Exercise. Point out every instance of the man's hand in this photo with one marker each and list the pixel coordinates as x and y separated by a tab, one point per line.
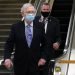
41	62
56	45
8	64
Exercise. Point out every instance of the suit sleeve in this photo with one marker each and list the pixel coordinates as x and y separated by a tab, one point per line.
8	49
57	38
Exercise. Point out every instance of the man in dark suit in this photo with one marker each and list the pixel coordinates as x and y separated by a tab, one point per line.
26	36
52	31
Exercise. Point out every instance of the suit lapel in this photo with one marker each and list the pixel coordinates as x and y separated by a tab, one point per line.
23	32
34	33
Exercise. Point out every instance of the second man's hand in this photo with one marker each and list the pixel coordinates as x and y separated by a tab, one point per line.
41	62
56	46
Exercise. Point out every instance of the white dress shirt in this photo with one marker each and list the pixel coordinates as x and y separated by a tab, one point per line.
45	22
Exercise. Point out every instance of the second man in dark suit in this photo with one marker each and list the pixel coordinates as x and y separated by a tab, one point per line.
52	31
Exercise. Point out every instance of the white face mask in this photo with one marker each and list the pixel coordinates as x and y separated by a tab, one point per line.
29	17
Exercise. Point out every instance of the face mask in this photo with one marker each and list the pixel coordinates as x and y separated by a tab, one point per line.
29	17
45	14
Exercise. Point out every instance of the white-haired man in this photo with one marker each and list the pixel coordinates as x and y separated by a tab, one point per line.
26	35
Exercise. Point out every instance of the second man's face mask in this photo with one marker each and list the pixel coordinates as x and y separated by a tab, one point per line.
45	14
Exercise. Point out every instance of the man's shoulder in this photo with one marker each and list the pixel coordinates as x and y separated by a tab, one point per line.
53	18
17	23
38	24
37	18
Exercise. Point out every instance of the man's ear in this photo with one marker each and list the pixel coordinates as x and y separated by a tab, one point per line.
22	14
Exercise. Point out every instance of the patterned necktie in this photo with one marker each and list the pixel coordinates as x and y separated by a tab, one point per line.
28	35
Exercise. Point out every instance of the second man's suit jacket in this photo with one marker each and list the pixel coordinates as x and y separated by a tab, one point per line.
52	32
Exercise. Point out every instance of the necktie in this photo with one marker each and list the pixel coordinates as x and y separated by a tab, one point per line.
45	21
28	35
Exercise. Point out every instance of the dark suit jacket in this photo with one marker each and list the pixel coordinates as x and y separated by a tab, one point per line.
53	31
24	56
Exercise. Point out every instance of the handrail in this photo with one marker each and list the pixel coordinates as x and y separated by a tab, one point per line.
70	26
67	61
69	34
37	4
68	40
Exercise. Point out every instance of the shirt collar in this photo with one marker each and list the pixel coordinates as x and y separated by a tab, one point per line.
43	18
27	24
46	19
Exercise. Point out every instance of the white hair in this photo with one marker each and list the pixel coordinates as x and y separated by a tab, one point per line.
25	6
